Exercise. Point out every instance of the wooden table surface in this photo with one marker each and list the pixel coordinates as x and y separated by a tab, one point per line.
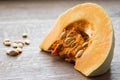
36	18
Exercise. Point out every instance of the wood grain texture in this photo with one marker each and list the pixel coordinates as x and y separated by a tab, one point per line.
36	18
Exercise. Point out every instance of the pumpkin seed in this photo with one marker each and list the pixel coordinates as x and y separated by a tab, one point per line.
62	35
7	43
19	50
68	40
69	35
27	42
12	52
14	45
24	35
20	45
84	44
79	53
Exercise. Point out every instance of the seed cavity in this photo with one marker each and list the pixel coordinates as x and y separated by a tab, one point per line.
74	39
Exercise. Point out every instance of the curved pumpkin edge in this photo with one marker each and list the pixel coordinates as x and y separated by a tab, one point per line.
106	65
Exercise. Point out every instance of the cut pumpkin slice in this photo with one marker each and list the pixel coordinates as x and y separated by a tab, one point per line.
84	35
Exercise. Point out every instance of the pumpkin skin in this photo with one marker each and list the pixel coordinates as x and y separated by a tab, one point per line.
97	57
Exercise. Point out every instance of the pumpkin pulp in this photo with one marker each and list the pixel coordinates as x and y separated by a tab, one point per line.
72	41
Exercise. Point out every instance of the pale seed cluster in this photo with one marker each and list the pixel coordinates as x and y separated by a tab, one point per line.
16	45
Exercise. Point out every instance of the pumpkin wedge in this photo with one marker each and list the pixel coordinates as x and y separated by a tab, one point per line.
84	35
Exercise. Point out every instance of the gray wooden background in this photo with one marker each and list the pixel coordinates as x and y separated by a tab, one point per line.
36	18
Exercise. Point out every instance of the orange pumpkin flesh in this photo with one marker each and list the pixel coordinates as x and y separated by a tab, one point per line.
98	54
